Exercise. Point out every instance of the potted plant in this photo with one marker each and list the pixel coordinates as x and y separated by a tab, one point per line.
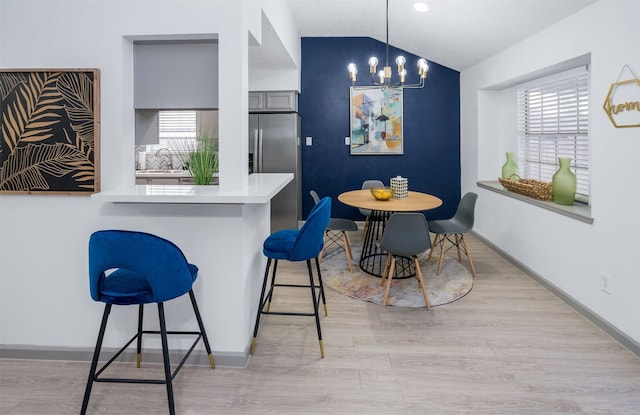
201	161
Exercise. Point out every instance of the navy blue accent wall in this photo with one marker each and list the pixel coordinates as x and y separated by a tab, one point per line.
431	159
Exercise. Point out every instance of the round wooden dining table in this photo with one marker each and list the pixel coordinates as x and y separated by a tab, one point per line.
372	259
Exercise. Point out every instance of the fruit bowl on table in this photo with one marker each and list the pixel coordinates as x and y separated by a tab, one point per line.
381	193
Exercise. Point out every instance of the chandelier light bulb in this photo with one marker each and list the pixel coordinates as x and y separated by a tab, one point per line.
381	76
373	62
403	74
423	67
400	61
353	71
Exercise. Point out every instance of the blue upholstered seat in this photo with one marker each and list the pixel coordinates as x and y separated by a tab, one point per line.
296	245
128	267
303	244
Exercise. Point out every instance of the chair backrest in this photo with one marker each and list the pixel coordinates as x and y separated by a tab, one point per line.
368	184
160	261
465	214
406	234
314	195
310	238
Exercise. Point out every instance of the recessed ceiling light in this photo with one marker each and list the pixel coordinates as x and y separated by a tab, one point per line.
421	7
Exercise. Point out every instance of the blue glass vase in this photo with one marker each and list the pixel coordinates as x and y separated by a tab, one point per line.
564	183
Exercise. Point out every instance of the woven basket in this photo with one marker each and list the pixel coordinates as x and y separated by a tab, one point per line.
528	187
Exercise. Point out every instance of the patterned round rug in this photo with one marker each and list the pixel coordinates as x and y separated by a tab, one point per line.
453	283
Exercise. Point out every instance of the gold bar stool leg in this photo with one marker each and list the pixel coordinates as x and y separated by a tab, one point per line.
321	285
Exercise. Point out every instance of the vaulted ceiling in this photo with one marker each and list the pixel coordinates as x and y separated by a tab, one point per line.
453	33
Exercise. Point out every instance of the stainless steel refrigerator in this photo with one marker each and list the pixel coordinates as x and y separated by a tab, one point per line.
274	147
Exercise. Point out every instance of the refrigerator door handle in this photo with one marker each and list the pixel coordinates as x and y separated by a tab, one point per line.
259	145
256	154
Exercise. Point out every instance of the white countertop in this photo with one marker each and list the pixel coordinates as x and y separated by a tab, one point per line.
261	189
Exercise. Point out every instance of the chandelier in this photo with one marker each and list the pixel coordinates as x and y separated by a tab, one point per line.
383	77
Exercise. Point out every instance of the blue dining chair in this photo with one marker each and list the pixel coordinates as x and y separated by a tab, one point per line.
296	245
137	268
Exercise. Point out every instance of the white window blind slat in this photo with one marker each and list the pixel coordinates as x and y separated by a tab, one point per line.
553	121
177	129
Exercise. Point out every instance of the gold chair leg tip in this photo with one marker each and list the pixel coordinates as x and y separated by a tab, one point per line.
253	345
211	361
321	349
138	359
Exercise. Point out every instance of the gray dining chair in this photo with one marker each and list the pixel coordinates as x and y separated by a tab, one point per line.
336	232
453	230
368	184
406	235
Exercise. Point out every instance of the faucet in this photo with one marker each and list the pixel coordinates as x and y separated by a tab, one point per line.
168	154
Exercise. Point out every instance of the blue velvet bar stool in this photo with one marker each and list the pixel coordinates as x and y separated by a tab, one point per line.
296	245
137	268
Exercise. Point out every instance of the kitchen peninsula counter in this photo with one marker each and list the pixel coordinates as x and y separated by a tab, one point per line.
261	189
218	230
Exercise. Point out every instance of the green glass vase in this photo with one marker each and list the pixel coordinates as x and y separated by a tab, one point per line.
510	167
564	183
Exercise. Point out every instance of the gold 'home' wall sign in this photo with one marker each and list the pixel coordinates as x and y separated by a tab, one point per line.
49	131
622	103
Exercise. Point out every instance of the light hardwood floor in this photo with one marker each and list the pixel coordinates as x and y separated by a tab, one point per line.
508	347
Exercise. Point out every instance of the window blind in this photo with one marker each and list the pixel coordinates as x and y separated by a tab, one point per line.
177	129
553	121
175	74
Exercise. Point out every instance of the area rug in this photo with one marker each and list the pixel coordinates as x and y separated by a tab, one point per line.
453	283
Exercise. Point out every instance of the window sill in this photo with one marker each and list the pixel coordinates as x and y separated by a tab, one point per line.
578	211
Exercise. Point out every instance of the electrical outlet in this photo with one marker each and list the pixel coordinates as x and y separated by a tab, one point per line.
605	283
309	141
347	141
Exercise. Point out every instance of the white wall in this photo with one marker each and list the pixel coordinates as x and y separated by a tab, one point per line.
569	254
44	298
280	79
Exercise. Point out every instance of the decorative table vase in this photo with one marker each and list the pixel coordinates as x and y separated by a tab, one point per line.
510	167
564	183
400	187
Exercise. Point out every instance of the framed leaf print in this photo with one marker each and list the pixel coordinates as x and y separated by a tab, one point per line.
49	131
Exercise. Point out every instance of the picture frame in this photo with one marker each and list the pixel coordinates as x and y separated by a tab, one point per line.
376	121
50	131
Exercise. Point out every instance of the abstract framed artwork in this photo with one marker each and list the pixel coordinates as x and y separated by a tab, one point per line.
50	131
376	120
